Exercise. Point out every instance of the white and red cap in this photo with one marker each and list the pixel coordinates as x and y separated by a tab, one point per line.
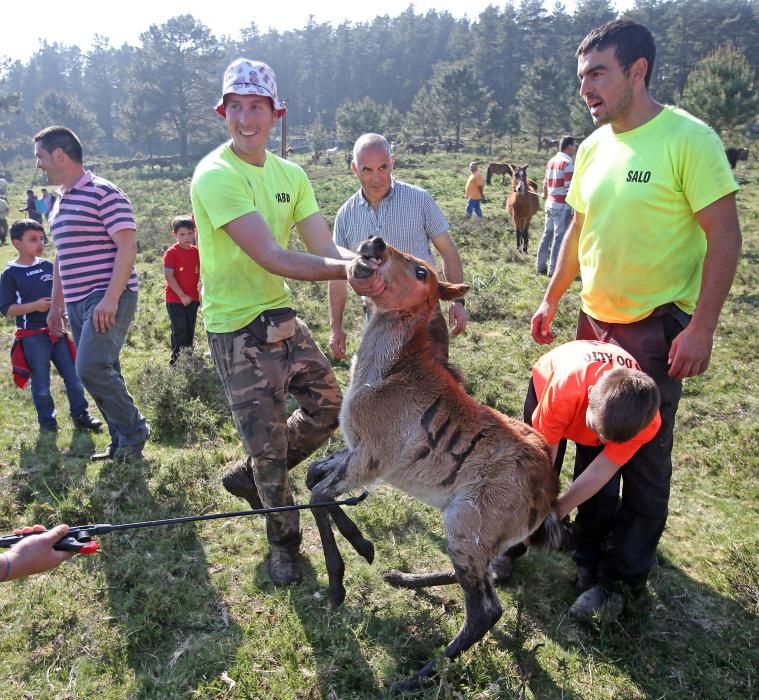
244	77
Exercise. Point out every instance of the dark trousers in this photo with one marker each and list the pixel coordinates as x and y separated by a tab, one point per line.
530	404
182	320
618	532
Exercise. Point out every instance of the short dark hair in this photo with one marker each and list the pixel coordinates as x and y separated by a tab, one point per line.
61	137
630	40
622	403
20	227
566	142
182	221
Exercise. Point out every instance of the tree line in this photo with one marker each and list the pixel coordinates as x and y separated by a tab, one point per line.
416	76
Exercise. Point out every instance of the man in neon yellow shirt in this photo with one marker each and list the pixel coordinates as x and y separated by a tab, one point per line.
245	200
656	239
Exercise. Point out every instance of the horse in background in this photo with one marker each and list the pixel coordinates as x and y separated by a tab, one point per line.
547	144
498	169
522	203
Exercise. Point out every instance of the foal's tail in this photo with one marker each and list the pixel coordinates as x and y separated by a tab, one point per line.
551	533
489	175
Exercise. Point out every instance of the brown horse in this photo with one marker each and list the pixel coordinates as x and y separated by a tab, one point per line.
522	203
498	169
408	421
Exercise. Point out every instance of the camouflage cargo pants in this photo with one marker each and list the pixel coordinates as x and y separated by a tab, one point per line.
259	365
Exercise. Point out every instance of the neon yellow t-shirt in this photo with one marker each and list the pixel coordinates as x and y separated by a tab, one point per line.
640	244
235	289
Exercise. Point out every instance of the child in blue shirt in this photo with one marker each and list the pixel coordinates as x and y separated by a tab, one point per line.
25	289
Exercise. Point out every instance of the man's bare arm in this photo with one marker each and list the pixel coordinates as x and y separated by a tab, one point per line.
691	350
454	272
567	267
252	234
104	314
56	313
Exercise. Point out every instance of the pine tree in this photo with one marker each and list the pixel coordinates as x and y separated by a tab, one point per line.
721	90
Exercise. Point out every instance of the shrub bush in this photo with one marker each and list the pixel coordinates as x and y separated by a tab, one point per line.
185	401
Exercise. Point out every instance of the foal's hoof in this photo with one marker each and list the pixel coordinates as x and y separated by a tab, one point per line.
336	597
366	549
319	469
396	578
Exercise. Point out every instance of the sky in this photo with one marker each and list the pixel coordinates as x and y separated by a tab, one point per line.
75	24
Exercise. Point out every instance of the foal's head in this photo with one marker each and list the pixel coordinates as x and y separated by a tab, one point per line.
409	282
519	178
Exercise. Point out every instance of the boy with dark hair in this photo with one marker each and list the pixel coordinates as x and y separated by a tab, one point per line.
596	395
181	267
25	289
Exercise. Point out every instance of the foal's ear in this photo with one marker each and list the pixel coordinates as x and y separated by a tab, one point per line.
447	291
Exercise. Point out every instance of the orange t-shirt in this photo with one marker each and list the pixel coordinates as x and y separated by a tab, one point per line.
473	189
562	378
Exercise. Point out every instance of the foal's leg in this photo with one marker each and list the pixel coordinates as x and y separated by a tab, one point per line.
399	579
350	531
342	477
470	561
317	472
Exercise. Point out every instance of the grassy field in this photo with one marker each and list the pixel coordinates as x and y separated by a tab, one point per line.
188	611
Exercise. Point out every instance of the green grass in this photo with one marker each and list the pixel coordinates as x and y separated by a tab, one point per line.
188	611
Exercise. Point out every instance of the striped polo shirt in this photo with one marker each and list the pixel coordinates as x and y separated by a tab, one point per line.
558	176
407	219
83	220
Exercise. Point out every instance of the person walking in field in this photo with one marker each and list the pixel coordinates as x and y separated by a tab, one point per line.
474	191
656	239
245	201
94	282
558	213
30	209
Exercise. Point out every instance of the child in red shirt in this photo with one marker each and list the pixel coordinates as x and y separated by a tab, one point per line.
594	394
181	267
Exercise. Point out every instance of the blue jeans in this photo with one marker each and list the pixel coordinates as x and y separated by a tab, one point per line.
40	351
473	205
97	364
557	221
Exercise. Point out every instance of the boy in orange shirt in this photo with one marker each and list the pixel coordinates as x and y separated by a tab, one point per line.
595	394
181	267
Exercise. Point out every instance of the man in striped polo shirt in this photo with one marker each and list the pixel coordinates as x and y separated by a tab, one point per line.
95	236
407	218
558	212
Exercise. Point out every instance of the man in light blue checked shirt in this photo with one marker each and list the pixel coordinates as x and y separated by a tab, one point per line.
408	219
